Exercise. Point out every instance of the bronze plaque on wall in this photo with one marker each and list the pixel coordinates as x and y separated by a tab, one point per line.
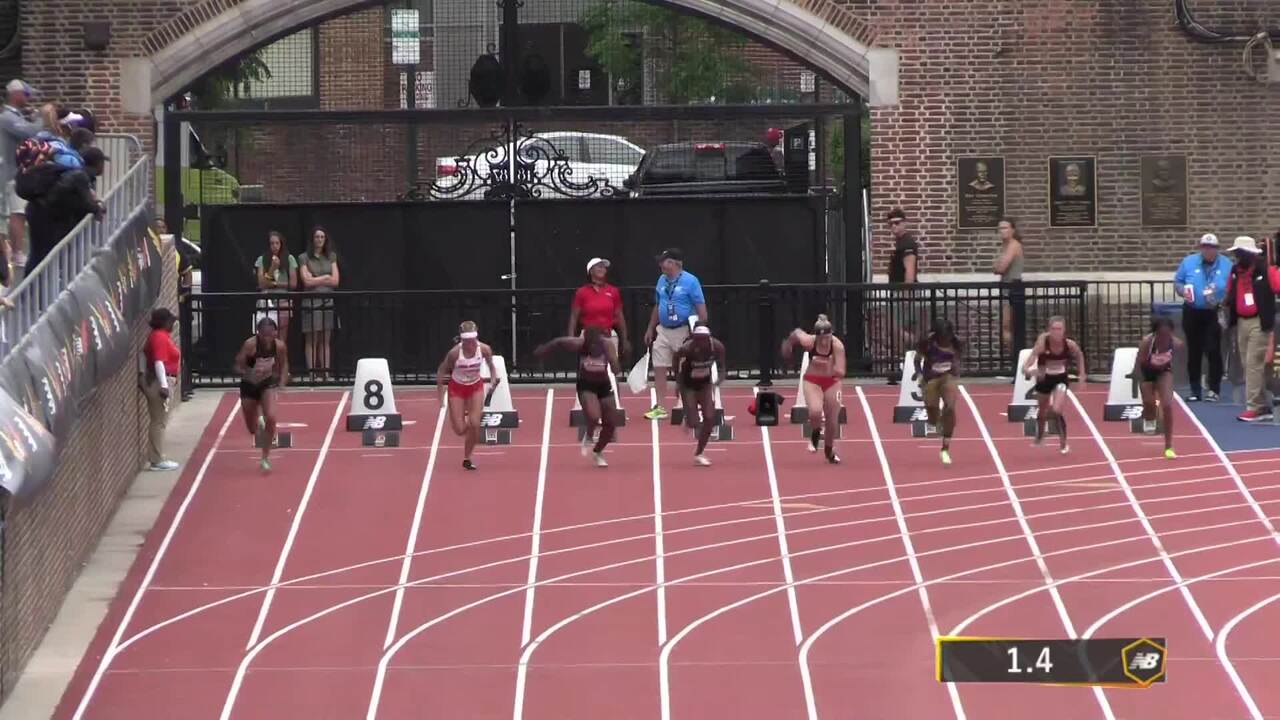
1164	190
979	192
1073	191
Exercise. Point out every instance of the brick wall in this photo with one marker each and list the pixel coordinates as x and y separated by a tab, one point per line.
1024	79
1111	78
47	542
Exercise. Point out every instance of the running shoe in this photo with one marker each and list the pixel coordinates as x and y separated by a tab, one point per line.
1064	449
815	440
162	466
701	460
586	444
1211	397
265	464
946	457
1194	396
600	461
1254	415
832	457
657	412
1169	454
468	465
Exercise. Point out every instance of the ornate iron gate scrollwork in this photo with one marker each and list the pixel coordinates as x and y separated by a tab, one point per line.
486	170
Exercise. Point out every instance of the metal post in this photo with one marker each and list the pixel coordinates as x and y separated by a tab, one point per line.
766	335
510	50
173	200
185	317
852	215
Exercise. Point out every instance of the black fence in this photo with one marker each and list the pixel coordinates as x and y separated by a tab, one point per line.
328	332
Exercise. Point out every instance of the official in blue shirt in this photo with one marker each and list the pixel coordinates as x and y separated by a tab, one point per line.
677	298
1201	281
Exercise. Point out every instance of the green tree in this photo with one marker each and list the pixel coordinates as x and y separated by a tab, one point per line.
694	61
217	88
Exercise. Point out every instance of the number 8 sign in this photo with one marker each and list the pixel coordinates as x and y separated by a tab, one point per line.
373	395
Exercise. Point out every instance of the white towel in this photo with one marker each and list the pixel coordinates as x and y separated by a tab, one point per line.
638	378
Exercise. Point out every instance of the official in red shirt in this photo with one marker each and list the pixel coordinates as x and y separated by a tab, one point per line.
599	304
160	377
1251	310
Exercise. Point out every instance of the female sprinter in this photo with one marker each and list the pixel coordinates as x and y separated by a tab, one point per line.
459	373
1154	365
263	365
1049	356
693	363
597	358
821	382
938	363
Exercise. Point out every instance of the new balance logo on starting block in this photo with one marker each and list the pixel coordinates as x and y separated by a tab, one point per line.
373	401
1123	399
910	407
500	416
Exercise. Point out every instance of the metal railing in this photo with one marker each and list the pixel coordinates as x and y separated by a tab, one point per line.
124	151
328	333
73	253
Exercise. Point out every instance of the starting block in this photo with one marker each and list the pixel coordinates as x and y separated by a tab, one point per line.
910	407
1135	425
281	440
380	438
500	416
1123	399
723	430
920	429
1023	404
373	401
800	411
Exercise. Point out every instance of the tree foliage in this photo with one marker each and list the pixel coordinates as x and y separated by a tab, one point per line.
228	81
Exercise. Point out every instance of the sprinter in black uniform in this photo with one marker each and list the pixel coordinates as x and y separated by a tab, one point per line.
1154	365
263	365
1049	358
697	389
597	360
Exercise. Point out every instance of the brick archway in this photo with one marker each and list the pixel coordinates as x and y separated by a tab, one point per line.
824	34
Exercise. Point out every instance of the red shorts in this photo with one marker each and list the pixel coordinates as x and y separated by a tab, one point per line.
464	392
823	381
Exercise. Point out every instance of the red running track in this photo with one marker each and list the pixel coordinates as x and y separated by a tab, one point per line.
389	583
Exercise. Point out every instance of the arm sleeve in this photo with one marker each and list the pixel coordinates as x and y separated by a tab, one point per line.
1180	275
161	375
695	293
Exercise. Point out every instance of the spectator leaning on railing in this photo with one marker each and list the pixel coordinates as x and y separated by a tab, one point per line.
15	127
1202	281
57	212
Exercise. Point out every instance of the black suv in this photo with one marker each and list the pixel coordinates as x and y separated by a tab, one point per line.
707	168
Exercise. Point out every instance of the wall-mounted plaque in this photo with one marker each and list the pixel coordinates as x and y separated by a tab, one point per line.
979	191
1164	190
1073	191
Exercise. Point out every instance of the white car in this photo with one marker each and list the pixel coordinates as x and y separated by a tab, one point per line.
607	159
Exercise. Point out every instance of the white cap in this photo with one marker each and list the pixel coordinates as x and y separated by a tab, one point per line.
1209	239
597	261
1244	243
702	330
18	86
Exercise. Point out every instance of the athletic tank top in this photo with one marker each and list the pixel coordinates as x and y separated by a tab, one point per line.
697	364
1158	359
263	360
466	370
822	364
1054	362
938	360
593	367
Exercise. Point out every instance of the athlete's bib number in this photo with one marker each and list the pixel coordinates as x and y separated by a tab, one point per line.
942	367
1057	368
373	398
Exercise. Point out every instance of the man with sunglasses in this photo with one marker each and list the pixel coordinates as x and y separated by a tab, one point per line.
677	297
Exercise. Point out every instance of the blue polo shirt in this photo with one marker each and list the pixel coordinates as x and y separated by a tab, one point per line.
677	300
1198	274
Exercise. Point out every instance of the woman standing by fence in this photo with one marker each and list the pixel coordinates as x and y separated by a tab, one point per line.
1008	266
319	266
277	272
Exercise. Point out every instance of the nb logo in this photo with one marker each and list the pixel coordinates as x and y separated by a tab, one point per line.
1145	661
375	422
919	415
491	420
1132	412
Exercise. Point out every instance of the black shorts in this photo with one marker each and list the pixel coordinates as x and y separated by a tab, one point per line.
602	389
694	386
1047	385
254	391
1152	375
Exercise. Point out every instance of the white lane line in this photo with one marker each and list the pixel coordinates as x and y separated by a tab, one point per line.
1221	647
1016	504
297	523
659	547
115	647
1231	470
781	526
1196	612
535	542
412	543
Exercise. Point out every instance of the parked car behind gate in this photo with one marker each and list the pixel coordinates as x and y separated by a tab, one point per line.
608	159
707	168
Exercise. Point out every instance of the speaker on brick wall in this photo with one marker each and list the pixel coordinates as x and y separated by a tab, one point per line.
97	35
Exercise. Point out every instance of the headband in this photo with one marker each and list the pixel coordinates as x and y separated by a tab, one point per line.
469	335
702	330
